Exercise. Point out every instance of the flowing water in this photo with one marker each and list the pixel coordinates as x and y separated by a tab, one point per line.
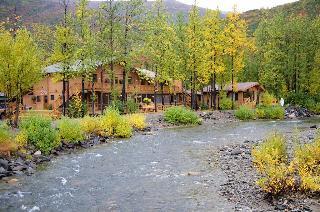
170	170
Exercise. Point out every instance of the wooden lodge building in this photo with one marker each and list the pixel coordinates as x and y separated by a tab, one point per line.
246	93
47	94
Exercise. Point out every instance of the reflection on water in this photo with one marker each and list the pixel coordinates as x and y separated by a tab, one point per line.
167	171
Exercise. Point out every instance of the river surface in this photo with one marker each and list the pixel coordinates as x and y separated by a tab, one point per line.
170	170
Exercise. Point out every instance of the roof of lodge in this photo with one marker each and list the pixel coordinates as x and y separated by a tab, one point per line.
243	86
56	68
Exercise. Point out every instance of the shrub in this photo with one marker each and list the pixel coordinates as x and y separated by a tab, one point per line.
260	113
122	129
204	106
21	139
7	142
276	112
225	103
181	115
245	113
75	107
137	121
270	159
267	99
113	124
117	105
40	133
132	106
70	130
307	160
315	108
91	125
270	112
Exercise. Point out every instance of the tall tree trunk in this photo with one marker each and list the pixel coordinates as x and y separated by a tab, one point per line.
202	97
195	102
17	111
64	96
82	97
123	93
68	94
155	93
214	91
232	84
101	102
162	94
184	98
92	97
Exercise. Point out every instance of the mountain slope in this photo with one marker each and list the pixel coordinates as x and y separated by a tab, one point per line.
50	11
309	8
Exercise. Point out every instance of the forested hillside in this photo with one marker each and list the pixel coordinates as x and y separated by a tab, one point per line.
50	11
286	55
309	8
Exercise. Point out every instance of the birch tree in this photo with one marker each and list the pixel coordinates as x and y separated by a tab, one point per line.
236	40
20	66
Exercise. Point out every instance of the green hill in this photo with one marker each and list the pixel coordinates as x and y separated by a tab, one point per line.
309	8
50	11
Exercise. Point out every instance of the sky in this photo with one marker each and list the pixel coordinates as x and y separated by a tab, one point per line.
242	5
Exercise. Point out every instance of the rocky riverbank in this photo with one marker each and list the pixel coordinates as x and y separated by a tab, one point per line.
241	189
27	162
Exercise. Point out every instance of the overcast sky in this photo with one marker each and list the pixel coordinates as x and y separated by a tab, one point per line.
242	5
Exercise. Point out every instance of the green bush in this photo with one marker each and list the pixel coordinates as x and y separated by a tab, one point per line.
270	159
270	112
204	106
132	106
70	130
245	113
118	105
40	133
225	103
181	116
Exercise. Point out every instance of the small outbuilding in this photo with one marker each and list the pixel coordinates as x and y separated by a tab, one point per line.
246	93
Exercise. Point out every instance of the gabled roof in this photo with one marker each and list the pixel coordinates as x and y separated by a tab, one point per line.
243	86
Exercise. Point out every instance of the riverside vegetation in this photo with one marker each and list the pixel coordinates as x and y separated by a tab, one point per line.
45	135
279	173
41	136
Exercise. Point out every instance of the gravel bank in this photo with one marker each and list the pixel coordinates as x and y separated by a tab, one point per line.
241	189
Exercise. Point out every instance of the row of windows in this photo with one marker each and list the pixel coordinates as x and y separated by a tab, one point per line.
38	98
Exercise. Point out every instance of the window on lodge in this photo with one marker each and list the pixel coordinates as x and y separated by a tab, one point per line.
52	97
38	98
129	80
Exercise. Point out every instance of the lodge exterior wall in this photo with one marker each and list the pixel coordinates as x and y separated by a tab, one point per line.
47	94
